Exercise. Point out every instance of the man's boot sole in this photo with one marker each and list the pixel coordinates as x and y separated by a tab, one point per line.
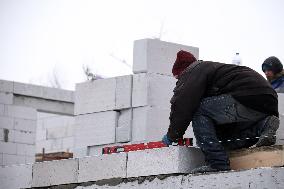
268	137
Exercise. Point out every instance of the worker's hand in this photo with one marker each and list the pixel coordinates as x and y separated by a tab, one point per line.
166	140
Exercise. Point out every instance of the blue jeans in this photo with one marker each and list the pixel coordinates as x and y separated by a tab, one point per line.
221	123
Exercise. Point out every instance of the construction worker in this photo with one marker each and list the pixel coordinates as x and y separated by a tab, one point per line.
230	107
274	73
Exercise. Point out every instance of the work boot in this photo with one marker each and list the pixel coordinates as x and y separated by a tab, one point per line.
207	169
268	135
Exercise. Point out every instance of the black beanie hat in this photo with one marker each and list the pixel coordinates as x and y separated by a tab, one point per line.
273	64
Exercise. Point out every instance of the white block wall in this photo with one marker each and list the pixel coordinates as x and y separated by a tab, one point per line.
17	138
103	95
55	133
155	56
124	126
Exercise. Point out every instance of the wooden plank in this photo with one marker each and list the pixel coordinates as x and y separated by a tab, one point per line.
265	156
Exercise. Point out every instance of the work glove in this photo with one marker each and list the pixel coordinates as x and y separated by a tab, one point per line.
166	140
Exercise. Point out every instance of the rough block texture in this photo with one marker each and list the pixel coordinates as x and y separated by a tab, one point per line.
25	124
8	148
103	95
28	89
123	92
95	129
20	112
95	96
155	56
6	98
163	161
55	173
254	178
2	108
102	167
80	152
152	89
26	149
149	124
6	122
59	107
6	86
24	137
16	176
123	129
43	92
281	103
13	159
1	134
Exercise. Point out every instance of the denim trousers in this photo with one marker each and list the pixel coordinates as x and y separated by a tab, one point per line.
221	123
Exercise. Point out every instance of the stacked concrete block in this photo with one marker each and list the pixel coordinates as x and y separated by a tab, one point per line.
163	161
18	126
6	86
54	133
43	92
103	95
102	167
95	129
16	176
55	173
155	56
124	126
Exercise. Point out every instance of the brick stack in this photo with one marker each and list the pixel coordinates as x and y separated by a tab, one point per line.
131	108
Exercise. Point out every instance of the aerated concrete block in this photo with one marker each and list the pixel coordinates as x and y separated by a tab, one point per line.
80	152
103	95
102	167
123	129
149	123
8	148
95	129
26	149
55	173
24	137
57	107
155	56
16	176
53	133
30	159
20	112
25	125
6	86
123	92
152	89
68	143
2	109
9	159
28	89
174	159
58	94
6	122
281	103
1	135
6	98
95	96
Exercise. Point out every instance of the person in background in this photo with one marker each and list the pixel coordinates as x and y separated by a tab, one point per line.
273	70
230	107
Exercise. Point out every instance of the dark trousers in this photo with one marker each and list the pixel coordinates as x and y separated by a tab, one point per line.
221	123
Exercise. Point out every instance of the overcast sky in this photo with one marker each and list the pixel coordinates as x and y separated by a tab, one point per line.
42	37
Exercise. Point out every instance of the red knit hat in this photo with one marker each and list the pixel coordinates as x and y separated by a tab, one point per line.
183	60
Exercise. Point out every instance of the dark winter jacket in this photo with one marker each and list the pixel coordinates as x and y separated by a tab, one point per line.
204	79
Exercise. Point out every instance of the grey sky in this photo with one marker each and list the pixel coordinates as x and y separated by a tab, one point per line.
39	36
